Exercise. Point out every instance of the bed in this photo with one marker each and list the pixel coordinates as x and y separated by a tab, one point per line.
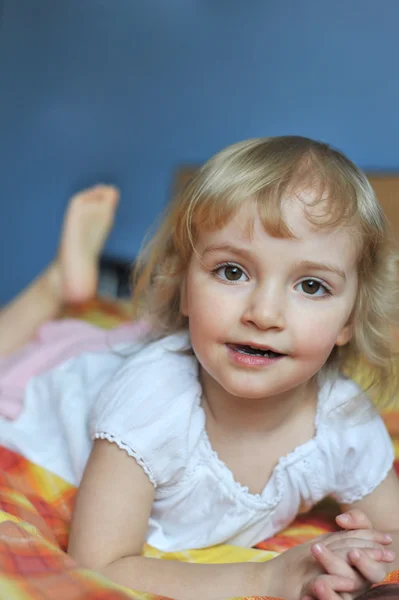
36	506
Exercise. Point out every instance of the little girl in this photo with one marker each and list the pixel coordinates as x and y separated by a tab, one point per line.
270	273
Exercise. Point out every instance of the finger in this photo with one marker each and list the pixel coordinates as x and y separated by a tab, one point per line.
368	534
380	537
380	554
348	537
327	587
343	547
354	519
333	563
371	570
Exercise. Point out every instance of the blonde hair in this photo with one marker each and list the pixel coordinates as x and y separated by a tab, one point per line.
265	171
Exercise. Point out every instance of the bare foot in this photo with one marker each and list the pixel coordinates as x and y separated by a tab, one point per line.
87	223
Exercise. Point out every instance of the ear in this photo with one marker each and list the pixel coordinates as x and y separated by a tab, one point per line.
183	298
345	335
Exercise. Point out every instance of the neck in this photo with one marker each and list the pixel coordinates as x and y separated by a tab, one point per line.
236	414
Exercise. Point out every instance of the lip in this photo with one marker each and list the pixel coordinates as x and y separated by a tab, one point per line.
257	346
252	360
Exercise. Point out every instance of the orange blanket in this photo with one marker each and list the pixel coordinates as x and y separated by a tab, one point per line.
35	512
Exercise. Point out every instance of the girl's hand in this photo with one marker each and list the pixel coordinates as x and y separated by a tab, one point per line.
372	570
323	569
371	565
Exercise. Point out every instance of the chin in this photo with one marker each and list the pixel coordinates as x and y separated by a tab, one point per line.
257	391
249	392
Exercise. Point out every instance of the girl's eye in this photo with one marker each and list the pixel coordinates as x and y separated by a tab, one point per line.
312	287
230	273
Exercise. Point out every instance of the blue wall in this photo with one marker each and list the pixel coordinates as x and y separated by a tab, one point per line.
125	90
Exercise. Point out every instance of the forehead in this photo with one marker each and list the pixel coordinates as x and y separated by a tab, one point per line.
247	228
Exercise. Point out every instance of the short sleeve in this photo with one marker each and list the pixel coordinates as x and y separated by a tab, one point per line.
151	408
364	457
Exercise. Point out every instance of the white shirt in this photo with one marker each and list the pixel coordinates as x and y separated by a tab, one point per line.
147	401
151	409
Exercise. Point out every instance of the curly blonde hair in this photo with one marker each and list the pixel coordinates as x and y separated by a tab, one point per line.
265	171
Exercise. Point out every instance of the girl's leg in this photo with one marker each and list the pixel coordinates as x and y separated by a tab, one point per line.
72	277
39	302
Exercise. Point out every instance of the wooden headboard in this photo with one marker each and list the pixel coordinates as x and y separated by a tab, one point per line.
386	186
387	189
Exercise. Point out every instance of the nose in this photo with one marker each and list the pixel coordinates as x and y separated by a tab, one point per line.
265	308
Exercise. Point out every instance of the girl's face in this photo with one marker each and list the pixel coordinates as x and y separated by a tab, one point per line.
264	312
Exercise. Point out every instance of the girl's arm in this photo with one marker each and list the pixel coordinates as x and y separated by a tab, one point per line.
109	531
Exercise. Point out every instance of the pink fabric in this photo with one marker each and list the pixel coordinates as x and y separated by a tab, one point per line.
56	342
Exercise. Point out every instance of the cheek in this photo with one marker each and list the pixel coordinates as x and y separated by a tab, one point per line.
317	337
210	317
204	300
206	314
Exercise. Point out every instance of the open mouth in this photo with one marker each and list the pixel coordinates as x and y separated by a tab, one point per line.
253	351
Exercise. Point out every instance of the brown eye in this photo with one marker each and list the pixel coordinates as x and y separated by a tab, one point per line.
312	287
232	273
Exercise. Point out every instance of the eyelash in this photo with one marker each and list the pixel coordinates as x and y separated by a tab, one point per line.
227	264
327	289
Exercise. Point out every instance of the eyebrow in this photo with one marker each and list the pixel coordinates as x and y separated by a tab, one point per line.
316	266
303	264
227	248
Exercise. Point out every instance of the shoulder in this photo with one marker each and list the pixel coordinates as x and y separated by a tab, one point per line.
355	438
343	403
151	407
347	413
